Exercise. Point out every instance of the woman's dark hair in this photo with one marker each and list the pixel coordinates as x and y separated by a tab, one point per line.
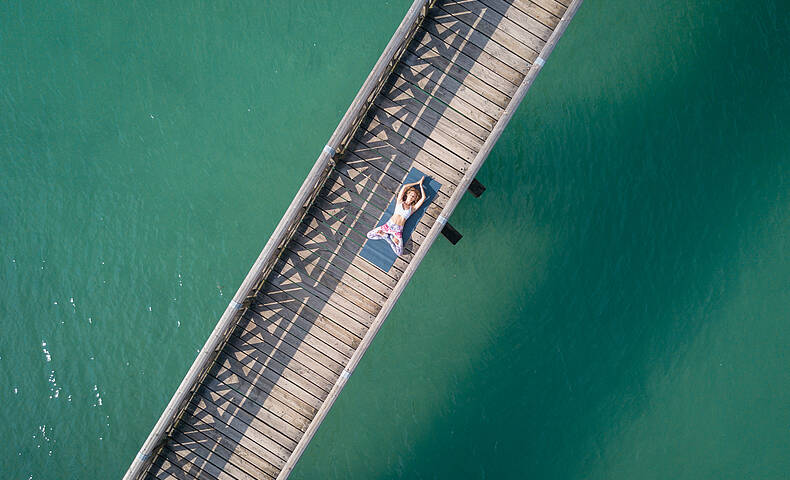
406	194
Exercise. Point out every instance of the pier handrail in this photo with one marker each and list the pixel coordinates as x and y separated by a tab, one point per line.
434	232
279	238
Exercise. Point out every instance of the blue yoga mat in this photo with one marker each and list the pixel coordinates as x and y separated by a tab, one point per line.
379	252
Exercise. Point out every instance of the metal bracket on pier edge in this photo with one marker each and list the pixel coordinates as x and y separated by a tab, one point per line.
476	188
329	151
236	305
451	234
345	374
540	62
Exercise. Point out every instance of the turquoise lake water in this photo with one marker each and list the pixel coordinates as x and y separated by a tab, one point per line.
619	306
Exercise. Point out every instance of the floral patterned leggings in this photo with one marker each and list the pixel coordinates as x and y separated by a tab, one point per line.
392	233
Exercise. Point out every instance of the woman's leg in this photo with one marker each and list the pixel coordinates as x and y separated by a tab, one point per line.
396	242
377	233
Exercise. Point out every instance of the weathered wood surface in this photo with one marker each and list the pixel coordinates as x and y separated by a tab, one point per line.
311	305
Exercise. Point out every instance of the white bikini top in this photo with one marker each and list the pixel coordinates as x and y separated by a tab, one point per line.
402	212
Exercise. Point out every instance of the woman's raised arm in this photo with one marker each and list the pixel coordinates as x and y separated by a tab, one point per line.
422	196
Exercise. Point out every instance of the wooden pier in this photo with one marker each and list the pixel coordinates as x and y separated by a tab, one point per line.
438	99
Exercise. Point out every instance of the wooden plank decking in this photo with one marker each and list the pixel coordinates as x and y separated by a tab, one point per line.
438	99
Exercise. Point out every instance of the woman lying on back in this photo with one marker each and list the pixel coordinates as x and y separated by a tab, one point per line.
409	200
